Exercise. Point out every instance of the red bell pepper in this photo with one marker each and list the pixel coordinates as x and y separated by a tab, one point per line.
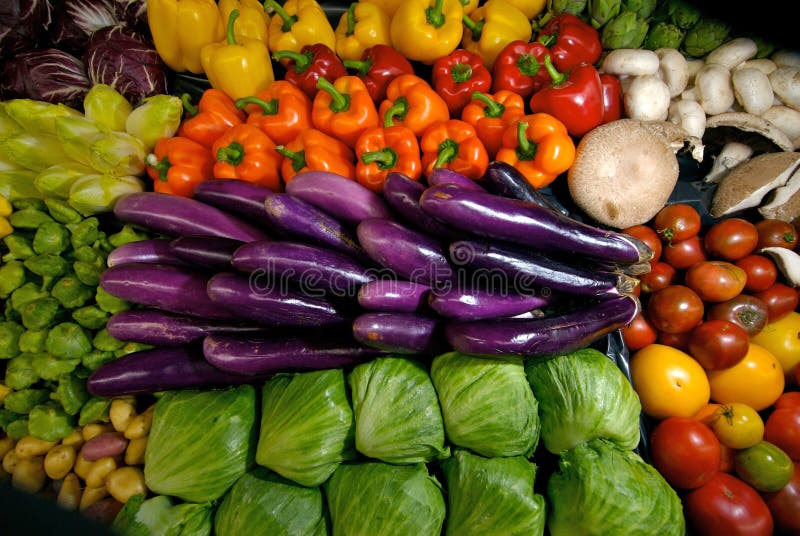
571	41
575	98
313	62
457	76
379	65
612	97
520	68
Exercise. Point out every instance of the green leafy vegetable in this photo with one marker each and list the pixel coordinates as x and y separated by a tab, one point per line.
162	515
50	422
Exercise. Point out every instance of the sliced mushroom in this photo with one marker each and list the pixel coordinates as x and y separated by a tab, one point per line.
755	131
787	261
783	202
732	154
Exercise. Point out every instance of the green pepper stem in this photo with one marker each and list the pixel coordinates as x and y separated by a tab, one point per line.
268	107
190	108
362	66
398	109
298	158
447	152
232	154
474	26
288	20
528	64
526	149
231	37
555	75
386	158
339	101
434	15
161	166
461	72
302	60
351	19
547	40
492	108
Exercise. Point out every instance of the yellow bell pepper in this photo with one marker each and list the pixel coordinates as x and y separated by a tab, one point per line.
253	21
298	23
362	26
181	28
425	30
531	8
491	27
239	70
469	5
388	6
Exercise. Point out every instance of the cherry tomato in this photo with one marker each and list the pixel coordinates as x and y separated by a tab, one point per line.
707	413
760	270
776	233
730	239
764	466
639	333
685	253
783	430
737	425
648	235
685	451
718	344
782	339
715	281
780	299
675	309
757	380
677	222
660	275
726	505
785	506
789	399
748	312
676	340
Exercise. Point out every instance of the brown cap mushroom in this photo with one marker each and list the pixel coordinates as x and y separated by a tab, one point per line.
760	134
783	203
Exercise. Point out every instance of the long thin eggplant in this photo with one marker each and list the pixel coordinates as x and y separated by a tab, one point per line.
479	304
236	196
149	251
448	176
528	224
410	254
309	267
402	194
393	295
342	198
527	270
260	300
262	355
173	289
402	333
159	328
212	252
506	180
159	369
174	216
562	333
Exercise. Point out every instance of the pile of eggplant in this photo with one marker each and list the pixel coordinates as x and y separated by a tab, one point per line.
242	282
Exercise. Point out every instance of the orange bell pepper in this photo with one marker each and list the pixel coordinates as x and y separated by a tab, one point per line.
539	146
178	164
313	150
454	144
343	109
381	150
492	114
282	111
246	153
213	116
412	102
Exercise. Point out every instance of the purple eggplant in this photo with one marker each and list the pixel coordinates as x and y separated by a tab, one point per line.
478	304
401	333
213	252
527	270
343	198
448	176
506	180
173	289
258	299
259	355
566	332
393	295
402	194
527	224
159	328
235	196
174	216
160	369
410	254
149	251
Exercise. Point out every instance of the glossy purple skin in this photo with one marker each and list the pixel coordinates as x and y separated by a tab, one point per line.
235	196
402	333
173	215
448	176
393	295
527	224
150	251
564	333
213	252
476	304
342	198
159	369
402	194
506	180
159	328
254	299
249	355
169	288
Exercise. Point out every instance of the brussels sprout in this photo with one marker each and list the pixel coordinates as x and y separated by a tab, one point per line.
28	218
68	340
18	429
682	13
643	8
576	7
601	11
159	515
663	35
104	342
10	333
29	203
85	233
20	373
71	293
87	273
51	237
25	294
87	254
41	313
626	30
95	409
10	314
71	393
62	212
90	317
128	233
24	400
704	37
49	422
18	246
95	359
110	304
47	265
32	341
107	107
12	276
48	367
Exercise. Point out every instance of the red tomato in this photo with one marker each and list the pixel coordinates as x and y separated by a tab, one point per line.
677	222
685	451
639	333
785	506
675	309
789	399
676	340
760	270
730	239
727	506
648	235
780	299
660	275
715	281
776	233
718	344
748	312
782	429
685	253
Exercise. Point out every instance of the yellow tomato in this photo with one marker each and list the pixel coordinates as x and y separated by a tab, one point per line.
757	380
669	382
782	339
737	426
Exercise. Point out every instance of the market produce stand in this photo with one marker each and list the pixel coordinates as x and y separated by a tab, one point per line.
482	267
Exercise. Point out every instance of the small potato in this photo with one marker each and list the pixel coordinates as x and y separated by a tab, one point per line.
134	454
74	439
752	90
104	445
91	496
673	69
125	482
785	118
103	511
121	411
714	89
6	444
630	62
69	495
29	474
29	446
82	466
10	461
95	429
140	425
647	99
786	85
733	52
100	469
59	461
